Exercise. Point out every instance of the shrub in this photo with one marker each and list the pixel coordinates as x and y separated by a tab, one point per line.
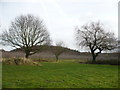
110	62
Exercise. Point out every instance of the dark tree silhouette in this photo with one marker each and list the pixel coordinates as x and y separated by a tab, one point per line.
58	49
94	37
26	32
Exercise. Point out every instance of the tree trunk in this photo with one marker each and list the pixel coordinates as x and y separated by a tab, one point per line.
94	58
56	58
27	54
94	55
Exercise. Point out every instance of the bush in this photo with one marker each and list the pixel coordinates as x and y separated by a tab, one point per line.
110	62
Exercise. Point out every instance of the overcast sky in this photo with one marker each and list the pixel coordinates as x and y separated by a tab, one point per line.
62	16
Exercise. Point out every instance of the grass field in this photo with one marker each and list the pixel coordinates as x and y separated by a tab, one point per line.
0	75
60	75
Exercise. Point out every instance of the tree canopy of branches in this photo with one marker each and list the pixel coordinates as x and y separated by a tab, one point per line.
26	32
94	37
58	49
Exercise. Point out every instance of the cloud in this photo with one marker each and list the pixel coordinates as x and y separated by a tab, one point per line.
61	16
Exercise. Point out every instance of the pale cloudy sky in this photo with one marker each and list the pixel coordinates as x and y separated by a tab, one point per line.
62	16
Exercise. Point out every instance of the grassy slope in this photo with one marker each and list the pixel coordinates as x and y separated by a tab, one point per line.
60	75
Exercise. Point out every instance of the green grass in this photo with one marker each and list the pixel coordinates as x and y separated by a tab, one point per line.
0	75
60	75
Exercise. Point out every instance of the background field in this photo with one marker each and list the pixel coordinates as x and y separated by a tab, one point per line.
65	74
68	54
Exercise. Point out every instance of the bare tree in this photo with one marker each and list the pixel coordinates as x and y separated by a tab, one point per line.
58	49
94	37
26	32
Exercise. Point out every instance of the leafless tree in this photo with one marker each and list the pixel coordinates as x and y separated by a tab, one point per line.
94	37
58	49
26	32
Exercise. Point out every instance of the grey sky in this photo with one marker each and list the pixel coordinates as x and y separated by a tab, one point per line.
61	16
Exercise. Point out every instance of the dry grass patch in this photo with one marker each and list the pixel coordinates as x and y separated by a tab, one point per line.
19	61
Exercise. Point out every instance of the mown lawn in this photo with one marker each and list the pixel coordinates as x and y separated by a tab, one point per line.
60	75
